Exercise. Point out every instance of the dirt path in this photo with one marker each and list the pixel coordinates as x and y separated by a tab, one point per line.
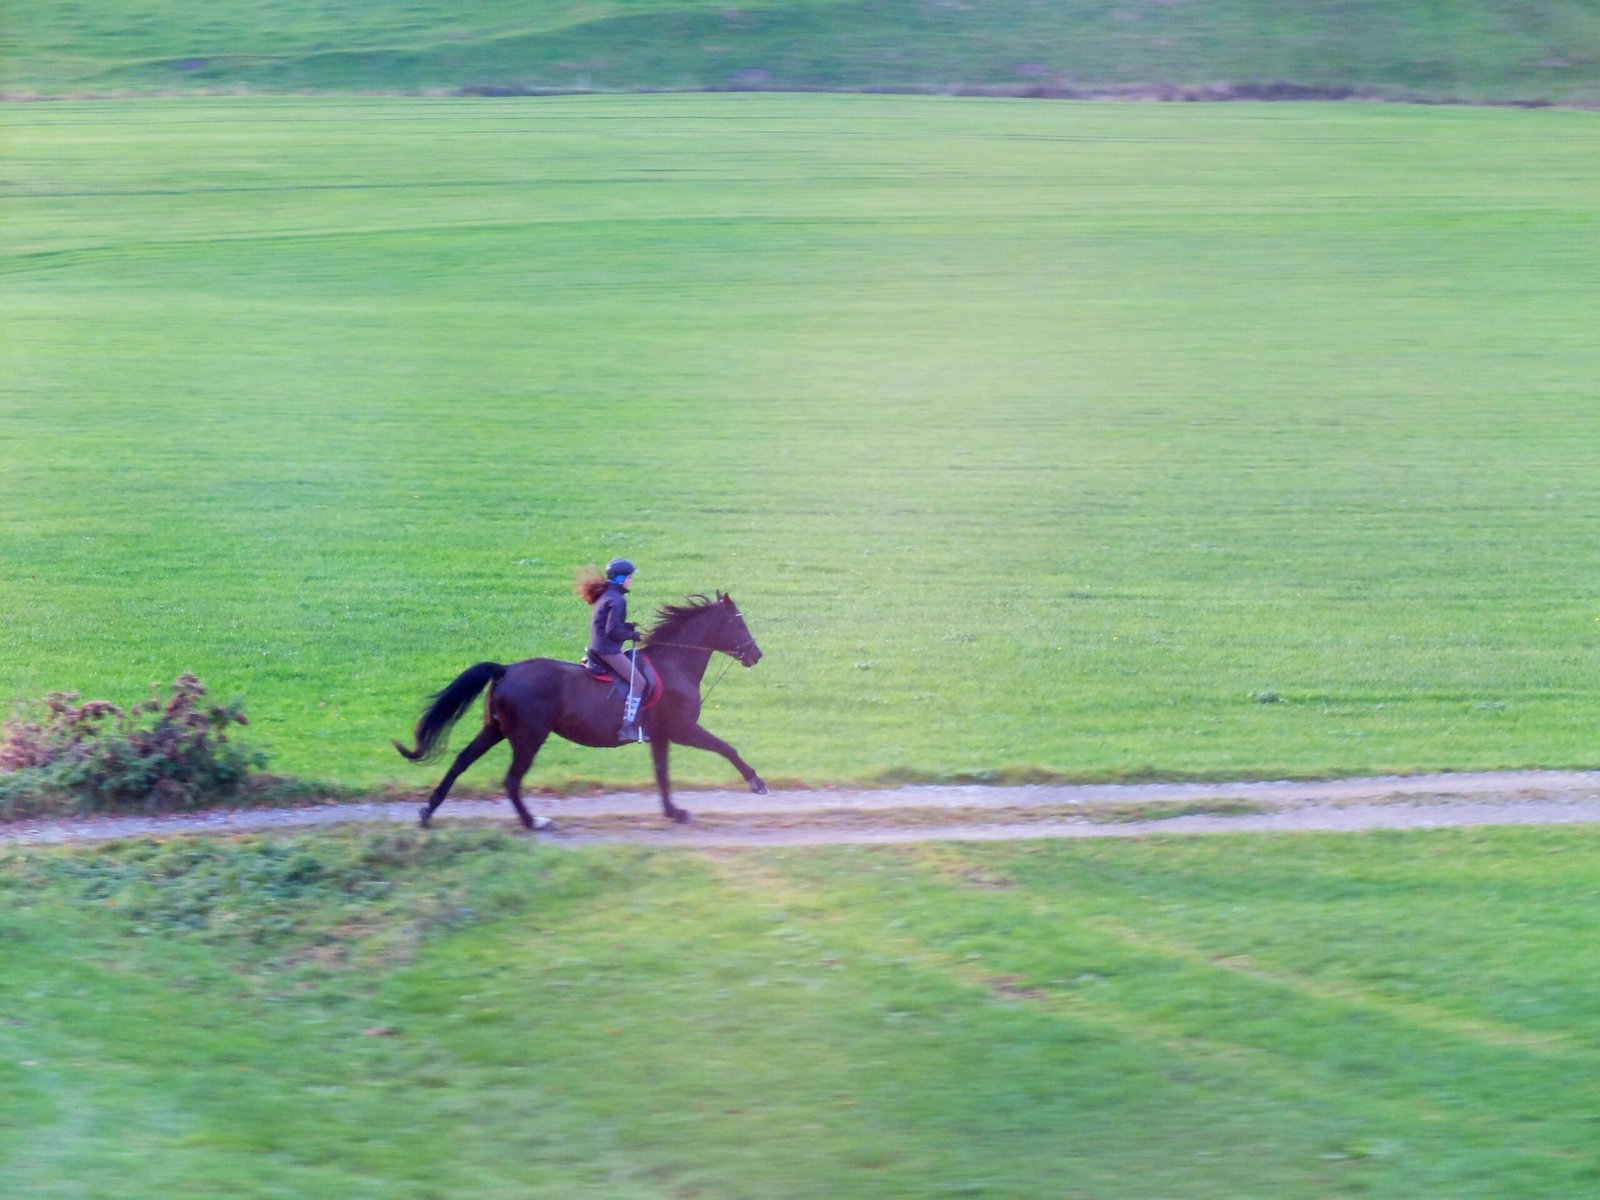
838	816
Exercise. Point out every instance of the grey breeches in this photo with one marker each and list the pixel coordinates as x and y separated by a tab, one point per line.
623	666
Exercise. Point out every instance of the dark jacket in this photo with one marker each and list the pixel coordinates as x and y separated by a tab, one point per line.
609	626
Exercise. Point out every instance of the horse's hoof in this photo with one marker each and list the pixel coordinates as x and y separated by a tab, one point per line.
424	817
682	816
540	824
758	786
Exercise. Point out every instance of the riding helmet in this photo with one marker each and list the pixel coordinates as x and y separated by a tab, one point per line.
619	569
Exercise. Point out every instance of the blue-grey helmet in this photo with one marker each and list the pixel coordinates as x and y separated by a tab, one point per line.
619	569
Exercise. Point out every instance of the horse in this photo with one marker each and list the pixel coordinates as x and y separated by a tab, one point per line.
530	700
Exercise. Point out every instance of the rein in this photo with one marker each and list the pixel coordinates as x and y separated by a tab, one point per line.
734	653
728	662
717	680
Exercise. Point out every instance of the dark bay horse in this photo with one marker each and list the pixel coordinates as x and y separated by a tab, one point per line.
530	700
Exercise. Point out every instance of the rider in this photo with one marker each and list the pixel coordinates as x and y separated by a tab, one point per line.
609	628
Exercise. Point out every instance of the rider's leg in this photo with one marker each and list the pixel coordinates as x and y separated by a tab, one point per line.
623	666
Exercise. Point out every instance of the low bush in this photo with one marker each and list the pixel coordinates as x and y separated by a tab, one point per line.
163	754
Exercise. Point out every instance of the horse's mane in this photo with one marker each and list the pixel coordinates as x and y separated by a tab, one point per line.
671	618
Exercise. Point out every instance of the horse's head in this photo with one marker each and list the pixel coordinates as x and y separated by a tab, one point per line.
733	635
701	623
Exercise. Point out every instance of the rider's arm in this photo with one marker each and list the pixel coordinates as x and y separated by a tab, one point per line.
617	627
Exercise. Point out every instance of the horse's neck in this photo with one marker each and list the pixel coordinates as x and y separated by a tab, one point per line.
679	660
685	652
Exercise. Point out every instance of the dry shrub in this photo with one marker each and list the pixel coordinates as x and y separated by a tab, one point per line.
163	754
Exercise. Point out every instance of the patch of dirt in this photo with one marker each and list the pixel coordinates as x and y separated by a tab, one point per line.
975	813
757	79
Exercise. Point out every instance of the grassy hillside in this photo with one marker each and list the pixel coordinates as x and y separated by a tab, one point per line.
1472	49
463	1014
1089	439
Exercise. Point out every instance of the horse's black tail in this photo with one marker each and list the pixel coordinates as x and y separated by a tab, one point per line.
433	727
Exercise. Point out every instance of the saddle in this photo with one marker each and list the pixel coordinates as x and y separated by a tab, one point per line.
651	680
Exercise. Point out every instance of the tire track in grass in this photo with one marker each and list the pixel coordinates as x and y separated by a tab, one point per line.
1177	1061
1425	1017
1403	1099
1001	983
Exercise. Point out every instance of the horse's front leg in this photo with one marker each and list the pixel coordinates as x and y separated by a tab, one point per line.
703	739
660	746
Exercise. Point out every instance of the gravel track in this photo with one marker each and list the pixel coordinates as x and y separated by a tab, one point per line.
838	816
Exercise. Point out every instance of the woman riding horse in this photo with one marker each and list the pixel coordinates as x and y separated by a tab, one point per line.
530	700
609	628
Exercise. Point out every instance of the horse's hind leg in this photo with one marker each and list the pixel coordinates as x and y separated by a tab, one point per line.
488	737
524	748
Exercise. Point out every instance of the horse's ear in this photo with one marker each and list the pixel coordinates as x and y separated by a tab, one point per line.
722	597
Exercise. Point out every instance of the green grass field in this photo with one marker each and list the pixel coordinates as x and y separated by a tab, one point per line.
1029	437
464	1014
1085	441
1469	49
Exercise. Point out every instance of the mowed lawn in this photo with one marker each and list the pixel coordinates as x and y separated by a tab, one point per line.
467	1014
1083	439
